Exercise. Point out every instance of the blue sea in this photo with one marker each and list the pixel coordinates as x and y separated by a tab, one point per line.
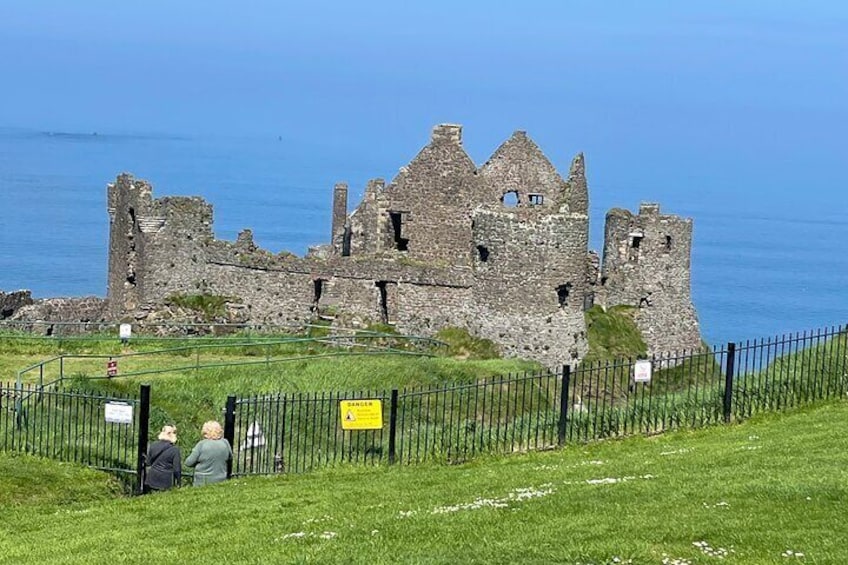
768	258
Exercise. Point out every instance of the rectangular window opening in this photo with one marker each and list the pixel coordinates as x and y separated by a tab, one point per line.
563	291
317	290
388	301
346	242
401	243
384	301
536	199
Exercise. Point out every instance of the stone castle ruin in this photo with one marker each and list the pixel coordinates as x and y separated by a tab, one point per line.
500	249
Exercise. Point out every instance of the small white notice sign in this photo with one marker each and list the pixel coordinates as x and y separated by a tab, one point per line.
119	412
642	371
125	331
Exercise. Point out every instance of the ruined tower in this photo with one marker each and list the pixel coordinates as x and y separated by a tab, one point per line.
646	264
155	246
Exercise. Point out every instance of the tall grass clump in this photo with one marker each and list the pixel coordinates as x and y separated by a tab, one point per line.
612	334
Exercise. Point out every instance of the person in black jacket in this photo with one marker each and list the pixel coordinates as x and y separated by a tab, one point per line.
164	466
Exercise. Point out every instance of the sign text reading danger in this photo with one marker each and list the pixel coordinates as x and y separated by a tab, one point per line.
362	414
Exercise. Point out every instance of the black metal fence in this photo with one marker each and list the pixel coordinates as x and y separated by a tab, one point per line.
299	432
97	430
304	431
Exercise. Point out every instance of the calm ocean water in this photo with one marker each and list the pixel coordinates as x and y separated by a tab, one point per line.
762	265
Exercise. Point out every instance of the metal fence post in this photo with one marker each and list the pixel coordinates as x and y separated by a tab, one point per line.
393	426
230	429
728	380
143	427
19	405
563	404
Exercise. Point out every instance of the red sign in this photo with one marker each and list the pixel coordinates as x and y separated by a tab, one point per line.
111	368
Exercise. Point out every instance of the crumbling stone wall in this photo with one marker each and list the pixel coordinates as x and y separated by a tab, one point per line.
71	314
520	169
156	247
438	188
530	283
440	246
647	264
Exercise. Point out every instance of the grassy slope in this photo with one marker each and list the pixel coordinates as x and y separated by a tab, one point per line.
188	398
28	481
758	489
613	334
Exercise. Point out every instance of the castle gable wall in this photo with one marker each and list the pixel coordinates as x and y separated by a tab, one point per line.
426	209
518	173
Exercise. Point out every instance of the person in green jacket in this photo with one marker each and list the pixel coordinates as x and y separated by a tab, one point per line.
210	455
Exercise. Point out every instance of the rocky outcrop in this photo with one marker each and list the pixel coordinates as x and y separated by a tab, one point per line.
13	301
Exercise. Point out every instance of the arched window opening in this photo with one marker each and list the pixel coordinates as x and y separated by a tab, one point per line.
510	199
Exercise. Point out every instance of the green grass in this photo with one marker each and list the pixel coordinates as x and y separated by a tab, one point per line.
189	398
758	489
33	482
612	334
38	359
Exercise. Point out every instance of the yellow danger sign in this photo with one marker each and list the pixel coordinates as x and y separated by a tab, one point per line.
362	414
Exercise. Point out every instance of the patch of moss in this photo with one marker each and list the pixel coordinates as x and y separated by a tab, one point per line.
210	306
463	345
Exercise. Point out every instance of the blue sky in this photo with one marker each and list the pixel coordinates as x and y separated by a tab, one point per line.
723	92
731	112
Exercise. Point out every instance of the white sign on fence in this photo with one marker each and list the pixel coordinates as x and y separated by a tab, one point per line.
642	371
125	331
255	437
119	412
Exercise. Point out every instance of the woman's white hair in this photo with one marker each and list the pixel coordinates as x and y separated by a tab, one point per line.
212	430
168	433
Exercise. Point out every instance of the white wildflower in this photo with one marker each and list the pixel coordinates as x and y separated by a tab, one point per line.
710	551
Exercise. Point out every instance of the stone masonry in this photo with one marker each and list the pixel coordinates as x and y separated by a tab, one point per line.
500	249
